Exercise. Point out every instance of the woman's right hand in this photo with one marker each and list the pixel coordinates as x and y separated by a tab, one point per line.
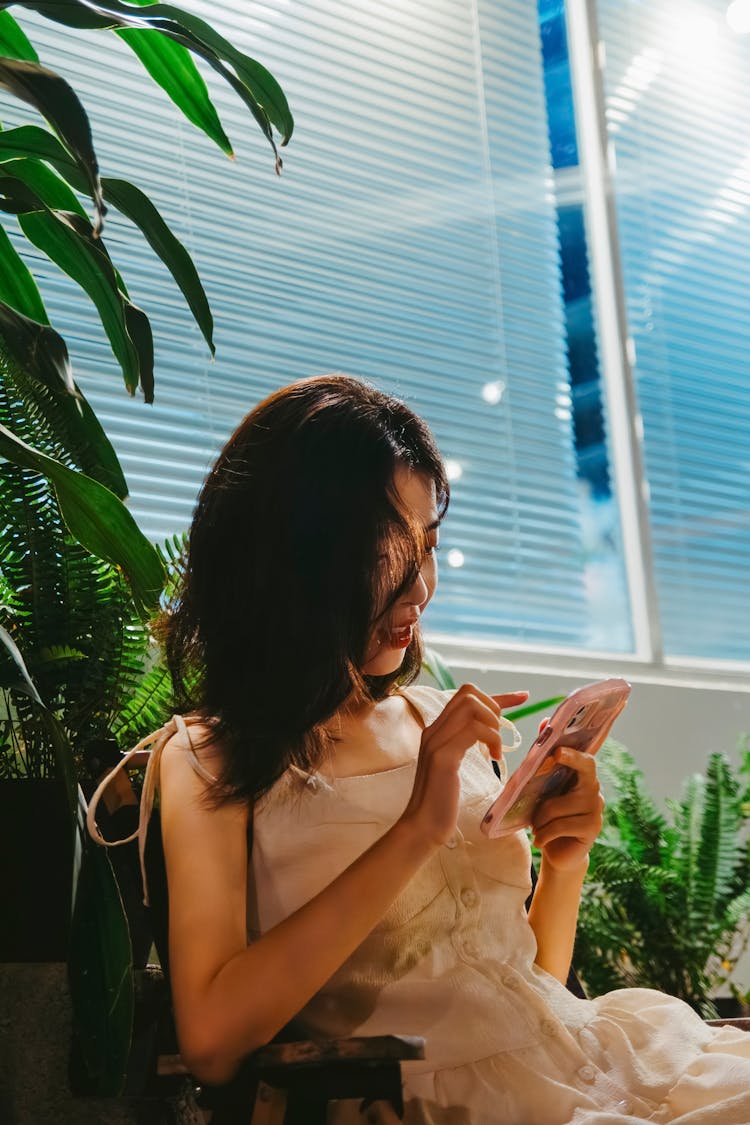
469	716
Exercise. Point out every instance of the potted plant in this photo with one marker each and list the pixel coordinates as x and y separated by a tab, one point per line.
666	903
78	580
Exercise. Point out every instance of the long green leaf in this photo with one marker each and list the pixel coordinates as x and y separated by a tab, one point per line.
25	683
139	331
133	203
31	141
100	966
94	449
171	66
36	353
58	102
255	85
13	41
54	730
97	519
70	242
17	286
37	348
259	81
433	663
54	192
534	708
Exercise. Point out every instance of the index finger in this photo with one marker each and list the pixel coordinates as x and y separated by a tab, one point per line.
510	698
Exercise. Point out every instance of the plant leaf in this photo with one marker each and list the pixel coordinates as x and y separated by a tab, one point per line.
98	520
171	66
43	182
100	965
139	331
534	708
37	348
17	286
37	354
13	41
31	140
59	104
255	85
433	663
136	205
70	242
62	749
25	684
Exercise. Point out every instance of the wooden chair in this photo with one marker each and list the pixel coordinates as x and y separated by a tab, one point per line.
288	1082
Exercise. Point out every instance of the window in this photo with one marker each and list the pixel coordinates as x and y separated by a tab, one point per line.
678	122
430	233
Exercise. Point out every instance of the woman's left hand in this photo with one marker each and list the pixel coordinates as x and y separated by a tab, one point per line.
565	828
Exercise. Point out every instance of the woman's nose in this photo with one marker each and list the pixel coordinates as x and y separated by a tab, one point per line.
419	592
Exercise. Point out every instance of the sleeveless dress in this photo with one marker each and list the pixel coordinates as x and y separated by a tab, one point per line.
452	960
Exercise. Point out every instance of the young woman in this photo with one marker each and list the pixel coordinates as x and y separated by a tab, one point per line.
370	902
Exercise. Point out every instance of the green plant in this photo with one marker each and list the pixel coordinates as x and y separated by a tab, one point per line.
44	175
78	580
667	900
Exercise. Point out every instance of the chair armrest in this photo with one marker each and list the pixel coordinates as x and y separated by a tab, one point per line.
363	1067
742	1023
308	1052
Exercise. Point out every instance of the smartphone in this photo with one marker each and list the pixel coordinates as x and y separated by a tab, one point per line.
582	721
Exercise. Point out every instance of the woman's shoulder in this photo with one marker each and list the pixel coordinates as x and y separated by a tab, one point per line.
194	742
429	700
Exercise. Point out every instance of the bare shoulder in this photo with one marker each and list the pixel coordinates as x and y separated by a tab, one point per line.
194	740
191	759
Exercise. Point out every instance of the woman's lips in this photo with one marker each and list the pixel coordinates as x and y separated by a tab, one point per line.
400	638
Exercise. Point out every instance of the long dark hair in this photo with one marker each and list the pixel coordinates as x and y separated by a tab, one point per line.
298	543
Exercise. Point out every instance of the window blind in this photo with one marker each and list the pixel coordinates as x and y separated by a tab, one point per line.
678	116
411	240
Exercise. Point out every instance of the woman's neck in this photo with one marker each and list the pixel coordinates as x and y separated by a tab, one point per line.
373	737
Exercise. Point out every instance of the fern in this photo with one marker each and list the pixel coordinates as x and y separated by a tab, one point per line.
71	614
666	903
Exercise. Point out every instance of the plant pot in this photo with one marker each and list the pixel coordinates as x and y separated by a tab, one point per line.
36	843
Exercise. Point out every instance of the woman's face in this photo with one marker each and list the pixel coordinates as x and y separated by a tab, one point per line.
392	633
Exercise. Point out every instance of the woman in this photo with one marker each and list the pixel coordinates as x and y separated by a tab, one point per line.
371	902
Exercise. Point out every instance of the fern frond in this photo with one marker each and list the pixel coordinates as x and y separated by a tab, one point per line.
148	708
717	852
71	613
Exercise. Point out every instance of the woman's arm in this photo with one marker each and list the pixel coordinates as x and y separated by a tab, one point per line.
564	829
230	998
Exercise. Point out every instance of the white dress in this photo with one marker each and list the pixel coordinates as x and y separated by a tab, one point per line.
453	961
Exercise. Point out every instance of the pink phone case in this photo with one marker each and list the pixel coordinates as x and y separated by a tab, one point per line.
582	721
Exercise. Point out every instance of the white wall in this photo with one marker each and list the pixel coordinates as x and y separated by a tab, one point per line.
673	719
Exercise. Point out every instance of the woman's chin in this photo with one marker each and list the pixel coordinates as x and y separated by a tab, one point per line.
385	661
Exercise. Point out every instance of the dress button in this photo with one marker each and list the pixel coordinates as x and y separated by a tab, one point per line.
587	1074
468	897
508	981
451	843
470	949
549	1027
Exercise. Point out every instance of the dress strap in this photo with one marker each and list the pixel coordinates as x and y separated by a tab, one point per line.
148	751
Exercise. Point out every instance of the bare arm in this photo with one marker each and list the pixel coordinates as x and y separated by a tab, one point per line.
564	829
230	998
